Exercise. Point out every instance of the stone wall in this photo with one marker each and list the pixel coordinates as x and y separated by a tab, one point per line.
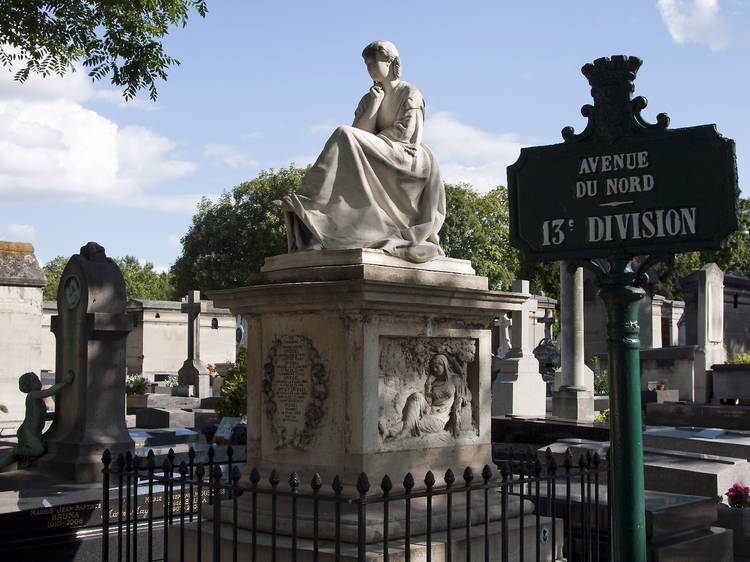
158	342
21	282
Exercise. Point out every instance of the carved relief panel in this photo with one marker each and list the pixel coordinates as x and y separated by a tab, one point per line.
429	389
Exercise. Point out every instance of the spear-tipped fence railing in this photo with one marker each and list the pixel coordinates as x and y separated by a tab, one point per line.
448	520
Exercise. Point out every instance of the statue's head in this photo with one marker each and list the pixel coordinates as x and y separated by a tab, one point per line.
28	382
387	51
439	366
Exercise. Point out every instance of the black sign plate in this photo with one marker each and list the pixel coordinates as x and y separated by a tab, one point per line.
623	186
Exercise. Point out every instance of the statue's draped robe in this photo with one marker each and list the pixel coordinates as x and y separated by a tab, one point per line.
368	191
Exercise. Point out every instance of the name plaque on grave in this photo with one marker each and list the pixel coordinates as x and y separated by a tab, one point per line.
295	389
623	183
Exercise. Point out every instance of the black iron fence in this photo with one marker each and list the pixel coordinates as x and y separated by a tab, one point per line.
533	508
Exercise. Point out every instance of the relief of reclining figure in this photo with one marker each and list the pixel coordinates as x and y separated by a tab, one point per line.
445	405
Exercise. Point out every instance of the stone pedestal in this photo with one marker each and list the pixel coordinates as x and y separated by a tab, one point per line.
90	329
361	362
338	348
519	389
21	283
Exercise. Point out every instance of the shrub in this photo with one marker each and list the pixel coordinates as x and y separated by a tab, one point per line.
602	416
136	384
741	358
233	400
601	378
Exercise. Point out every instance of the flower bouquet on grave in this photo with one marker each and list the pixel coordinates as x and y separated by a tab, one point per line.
209	431
239	434
738	496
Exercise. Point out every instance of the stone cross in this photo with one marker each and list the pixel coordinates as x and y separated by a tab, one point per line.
503	324
546	352
547	320
193	371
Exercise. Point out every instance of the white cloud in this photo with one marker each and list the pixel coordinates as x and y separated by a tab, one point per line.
228	155
696	21
468	154
52	147
17	232
323	127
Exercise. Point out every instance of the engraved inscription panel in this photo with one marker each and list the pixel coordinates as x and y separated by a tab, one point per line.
295	387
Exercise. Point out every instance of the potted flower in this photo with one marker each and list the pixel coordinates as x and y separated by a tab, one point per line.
735	516
135	391
209	431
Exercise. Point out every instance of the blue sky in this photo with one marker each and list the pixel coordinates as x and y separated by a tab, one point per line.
262	84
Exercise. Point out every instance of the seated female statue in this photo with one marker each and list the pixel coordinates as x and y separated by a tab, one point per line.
375	185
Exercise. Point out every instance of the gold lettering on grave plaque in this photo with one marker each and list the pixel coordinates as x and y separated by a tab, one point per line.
295	389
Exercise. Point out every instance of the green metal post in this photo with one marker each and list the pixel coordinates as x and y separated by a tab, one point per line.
626	501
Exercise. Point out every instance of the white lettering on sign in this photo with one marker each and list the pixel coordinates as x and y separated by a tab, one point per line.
659	223
613	162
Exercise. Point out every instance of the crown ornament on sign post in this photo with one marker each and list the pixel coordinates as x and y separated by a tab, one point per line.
614	117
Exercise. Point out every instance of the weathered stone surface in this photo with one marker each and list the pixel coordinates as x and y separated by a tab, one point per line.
90	328
369	264
698	415
672	471
348	323
19	266
21	282
149	418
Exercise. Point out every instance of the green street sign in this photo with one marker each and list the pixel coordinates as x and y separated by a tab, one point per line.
623	185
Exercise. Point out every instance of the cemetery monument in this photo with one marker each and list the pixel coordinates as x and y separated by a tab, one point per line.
90	328
368	350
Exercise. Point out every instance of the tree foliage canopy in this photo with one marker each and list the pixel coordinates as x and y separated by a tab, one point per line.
121	38
229	239
141	281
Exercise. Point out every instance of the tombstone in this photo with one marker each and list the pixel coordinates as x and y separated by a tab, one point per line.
671	313
501	325
519	389
546	352
574	394
21	282
194	373
704	327
90	329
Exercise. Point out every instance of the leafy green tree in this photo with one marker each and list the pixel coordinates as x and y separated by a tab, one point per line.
121	38
228	240
141	281
476	229
53	271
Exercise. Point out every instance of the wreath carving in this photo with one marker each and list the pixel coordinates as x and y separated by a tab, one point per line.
298	437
